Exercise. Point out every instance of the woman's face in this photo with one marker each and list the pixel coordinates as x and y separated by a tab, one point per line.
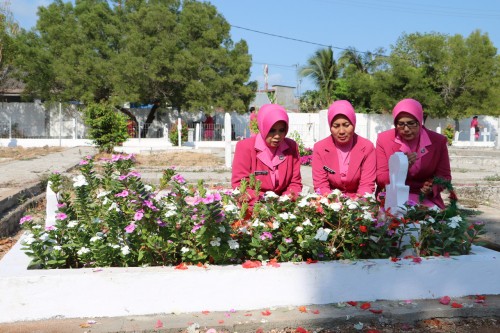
276	134
342	130
407	126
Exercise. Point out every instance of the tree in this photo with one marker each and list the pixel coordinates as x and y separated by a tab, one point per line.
8	30
322	68
164	52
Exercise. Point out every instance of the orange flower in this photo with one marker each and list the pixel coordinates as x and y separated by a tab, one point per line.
302	309
365	306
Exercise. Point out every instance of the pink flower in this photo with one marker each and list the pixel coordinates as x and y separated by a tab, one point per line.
26	218
61	216
84	162
288	240
266	234
178	178
122	194
192	201
134	174
208	199
139	215
50	227
130	228
61	205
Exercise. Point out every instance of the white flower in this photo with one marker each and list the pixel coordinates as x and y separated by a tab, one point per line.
37	226
276	225
435	208
312	195
299	228
324	201
284	198
83	250
79	181
287	216
170	206
244	230
57	248
454	222
29	239
102	193
105	201
95	239
257	223
367	216
270	195
125	250
307	222
114	246
335	206
215	242
337	192
333	250
322	234
233	245
44	236
170	213
303	203
114	206
352	204
184	249
148	187
431	219
222	229
72	224
236	191
230	208
370	196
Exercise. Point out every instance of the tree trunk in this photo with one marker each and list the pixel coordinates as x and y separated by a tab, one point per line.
149	119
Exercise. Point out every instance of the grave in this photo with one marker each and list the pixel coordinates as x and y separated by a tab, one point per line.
108	292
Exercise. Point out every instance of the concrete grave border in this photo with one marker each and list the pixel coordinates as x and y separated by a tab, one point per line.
74	293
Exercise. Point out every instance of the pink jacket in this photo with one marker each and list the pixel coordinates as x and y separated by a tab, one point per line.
362	167
434	162
246	162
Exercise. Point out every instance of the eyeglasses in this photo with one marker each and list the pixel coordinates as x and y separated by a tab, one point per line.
410	124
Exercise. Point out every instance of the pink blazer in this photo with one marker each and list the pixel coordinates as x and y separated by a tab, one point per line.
245	162
435	162
361	172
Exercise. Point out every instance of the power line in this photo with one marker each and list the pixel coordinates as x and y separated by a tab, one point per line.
305	41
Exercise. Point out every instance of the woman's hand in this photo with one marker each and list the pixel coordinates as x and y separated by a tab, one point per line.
412	157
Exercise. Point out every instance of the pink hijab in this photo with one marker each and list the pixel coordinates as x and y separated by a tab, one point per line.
410	106
341	107
268	115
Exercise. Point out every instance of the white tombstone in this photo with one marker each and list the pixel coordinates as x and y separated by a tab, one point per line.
438	129
486	135
179	131
457	135
471	134
397	194
51	206
227	138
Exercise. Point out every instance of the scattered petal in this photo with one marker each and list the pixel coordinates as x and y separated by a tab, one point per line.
376	311
205	312
302	309
227	314
266	313
372	331
365	306
259	330
181	266
251	264
211	330
301	330
159	324
445	300
221	321
91	322
480	299
273	263
456	305
311	261
248	315
84	325
418	260
352	303
315	311
232	310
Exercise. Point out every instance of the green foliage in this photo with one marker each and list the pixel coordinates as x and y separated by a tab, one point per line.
449	132
173	133
107	127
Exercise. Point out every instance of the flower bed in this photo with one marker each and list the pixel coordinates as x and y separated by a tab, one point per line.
112	218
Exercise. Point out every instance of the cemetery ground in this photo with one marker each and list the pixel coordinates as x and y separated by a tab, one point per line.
405	316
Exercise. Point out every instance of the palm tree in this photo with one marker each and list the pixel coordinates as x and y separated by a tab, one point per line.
364	62
322	68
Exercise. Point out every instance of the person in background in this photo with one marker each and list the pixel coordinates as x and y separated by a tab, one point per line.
252	123
344	160
208	126
427	153
271	157
474	125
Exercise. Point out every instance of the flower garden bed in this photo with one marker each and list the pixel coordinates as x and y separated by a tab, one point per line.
211	251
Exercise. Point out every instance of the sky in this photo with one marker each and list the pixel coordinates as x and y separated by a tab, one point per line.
284	34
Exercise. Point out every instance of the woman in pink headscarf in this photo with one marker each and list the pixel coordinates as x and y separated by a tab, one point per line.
427	153
271	157
344	160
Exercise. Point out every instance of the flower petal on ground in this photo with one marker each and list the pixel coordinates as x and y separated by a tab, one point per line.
456	305
365	306
159	324
376	311
315	311
273	263
181	266
251	264
352	303
266	313
302	309
445	300
301	330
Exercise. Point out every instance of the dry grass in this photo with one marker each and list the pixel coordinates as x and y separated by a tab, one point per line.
21	153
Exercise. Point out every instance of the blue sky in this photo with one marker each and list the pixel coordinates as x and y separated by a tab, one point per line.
363	24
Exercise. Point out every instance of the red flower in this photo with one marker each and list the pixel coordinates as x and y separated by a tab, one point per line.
205	312
394	259
311	261
418	260
363	228
362	244
456	305
480	299
365	306
352	303
181	266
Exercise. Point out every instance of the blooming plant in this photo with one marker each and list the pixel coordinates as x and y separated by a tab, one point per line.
112	218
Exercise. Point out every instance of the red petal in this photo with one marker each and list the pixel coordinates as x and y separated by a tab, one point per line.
159	324
248	314
456	305
221	321
372	331
418	260
259	330
315	311
251	264
273	263
352	303
300	330
311	261
365	306
205	312
445	300
376	311
266	313
181	266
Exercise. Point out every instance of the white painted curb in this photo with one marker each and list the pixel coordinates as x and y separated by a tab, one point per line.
73	293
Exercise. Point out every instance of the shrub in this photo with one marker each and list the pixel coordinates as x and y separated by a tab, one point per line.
173	133
107	126
449	132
